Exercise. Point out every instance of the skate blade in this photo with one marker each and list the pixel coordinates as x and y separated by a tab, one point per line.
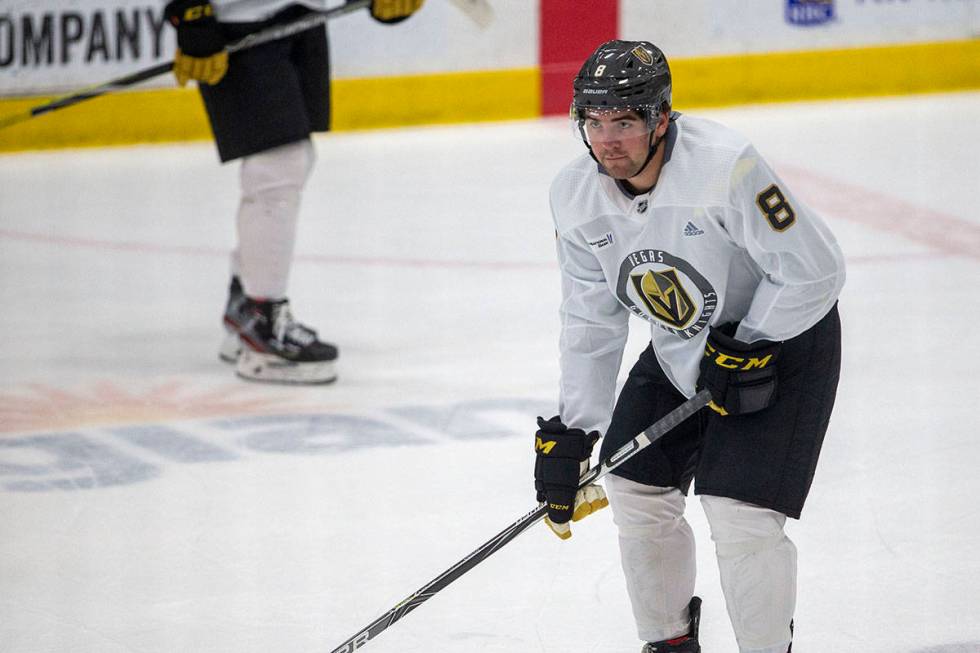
268	368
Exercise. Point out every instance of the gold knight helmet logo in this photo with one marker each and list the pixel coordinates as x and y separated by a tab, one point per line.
643	55
664	296
666	291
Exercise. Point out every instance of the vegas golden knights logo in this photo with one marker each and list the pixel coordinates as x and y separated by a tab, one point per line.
664	296
667	291
642	54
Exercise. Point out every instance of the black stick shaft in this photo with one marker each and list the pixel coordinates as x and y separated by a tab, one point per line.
624	453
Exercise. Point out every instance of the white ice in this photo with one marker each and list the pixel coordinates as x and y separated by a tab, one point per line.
152	502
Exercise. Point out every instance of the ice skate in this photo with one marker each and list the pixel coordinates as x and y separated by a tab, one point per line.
274	347
685	643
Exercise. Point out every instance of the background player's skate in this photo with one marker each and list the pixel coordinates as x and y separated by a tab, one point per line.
274	347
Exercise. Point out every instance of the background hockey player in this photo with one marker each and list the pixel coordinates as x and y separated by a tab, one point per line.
263	103
679	221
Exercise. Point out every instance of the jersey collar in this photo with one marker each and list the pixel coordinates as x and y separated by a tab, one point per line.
670	138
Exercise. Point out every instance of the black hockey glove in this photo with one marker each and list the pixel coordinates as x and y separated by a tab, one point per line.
562	458
740	376
201	53
394	11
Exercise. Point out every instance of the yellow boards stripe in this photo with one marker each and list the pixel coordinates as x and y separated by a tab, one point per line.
825	74
177	114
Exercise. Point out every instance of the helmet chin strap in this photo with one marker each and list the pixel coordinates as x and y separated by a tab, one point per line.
654	146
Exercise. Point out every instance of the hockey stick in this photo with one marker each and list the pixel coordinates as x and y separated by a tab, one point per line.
624	453
478	10
271	34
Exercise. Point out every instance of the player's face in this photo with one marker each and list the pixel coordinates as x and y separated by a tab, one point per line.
620	140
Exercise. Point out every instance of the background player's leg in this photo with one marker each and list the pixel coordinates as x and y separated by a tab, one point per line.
758	572
272	185
271	189
275	347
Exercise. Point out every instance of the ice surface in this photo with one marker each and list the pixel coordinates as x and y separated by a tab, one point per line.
152	502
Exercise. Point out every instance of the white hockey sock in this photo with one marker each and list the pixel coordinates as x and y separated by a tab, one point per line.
272	185
656	547
758	572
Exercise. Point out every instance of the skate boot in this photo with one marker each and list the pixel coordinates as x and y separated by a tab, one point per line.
685	643
233	320
278	349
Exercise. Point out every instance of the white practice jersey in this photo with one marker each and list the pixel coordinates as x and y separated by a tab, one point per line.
719	239
249	11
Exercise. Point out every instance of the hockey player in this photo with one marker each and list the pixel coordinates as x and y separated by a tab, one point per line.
679	221
263	103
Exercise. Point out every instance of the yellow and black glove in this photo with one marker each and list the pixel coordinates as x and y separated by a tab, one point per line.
393	11
201	53
741	376
562	458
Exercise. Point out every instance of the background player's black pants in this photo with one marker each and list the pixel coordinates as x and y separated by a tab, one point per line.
766	458
273	94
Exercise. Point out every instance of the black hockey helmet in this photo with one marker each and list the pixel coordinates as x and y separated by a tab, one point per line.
623	75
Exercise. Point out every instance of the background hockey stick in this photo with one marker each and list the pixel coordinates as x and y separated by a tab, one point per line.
624	453
478	10
271	34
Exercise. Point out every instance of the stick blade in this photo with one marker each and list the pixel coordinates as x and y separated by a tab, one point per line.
479	11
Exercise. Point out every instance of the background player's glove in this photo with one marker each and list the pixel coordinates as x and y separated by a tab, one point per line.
740	376
562	457
201	53
393	11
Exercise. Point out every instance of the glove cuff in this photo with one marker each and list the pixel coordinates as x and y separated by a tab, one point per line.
555	440
741	376
198	32
729	353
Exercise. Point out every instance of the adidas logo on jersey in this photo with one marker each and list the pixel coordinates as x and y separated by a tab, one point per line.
691	229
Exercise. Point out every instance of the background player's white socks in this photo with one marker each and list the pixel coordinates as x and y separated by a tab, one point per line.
656	546
272	185
758	572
